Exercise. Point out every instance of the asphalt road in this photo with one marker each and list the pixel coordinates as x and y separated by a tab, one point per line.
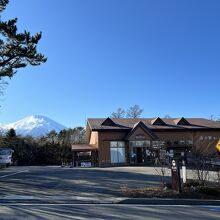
112	211
82	193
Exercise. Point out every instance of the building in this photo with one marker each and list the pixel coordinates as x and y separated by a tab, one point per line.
125	141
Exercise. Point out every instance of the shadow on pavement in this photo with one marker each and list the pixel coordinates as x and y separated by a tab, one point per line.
44	181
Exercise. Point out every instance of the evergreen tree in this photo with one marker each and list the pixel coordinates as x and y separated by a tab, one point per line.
3	4
52	137
11	133
17	50
53	149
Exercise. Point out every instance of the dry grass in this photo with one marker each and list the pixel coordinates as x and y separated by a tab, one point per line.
147	192
159	192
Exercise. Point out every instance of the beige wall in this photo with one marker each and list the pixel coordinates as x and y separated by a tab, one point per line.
88	132
94	138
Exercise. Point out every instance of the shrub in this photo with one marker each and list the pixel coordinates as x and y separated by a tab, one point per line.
208	191
193	183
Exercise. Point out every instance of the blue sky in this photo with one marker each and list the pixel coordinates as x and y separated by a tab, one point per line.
162	55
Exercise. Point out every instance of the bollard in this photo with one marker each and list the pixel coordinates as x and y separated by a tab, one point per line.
184	171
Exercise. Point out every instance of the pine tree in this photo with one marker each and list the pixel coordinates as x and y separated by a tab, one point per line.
11	134
17	50
3	4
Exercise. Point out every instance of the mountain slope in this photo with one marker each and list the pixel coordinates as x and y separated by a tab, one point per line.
34	125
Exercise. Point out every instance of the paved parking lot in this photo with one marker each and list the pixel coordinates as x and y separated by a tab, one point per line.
48	181
76	193
71	183
56	183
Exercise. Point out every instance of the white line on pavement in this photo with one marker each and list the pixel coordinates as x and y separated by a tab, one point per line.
83	204
102	204
11	174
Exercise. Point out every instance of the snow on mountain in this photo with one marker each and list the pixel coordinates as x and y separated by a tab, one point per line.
34	125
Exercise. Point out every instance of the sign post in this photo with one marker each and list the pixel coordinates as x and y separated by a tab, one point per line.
175	171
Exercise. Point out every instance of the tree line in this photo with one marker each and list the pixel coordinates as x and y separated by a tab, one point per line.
132	112
51	149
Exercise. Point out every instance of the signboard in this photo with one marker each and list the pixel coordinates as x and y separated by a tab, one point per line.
140	137
218	145
86	164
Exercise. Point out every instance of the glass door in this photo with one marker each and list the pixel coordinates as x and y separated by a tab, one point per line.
139	155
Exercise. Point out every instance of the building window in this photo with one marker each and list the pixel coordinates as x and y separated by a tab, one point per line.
182	142
189	142
156	144
117	150
163	143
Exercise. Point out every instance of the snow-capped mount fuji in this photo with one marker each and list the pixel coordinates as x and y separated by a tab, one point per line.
34	125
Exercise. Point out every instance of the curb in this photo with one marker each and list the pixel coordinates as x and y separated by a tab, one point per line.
145	201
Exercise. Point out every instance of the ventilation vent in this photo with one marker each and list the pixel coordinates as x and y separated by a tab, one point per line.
158	121
181	121
108	122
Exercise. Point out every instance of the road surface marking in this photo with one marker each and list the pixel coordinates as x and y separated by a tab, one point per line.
83	204
11	174
19	197
103	204
216	209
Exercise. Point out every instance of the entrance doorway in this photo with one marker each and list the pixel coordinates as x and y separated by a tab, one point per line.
139	155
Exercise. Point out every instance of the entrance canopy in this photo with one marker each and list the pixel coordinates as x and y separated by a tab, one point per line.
84	147
85	155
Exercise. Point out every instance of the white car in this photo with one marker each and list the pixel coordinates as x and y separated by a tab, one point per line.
6	156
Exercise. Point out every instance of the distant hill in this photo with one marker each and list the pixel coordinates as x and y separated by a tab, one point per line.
34	125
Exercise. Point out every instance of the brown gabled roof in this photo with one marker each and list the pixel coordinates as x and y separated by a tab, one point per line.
97	123
140	124
128	123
